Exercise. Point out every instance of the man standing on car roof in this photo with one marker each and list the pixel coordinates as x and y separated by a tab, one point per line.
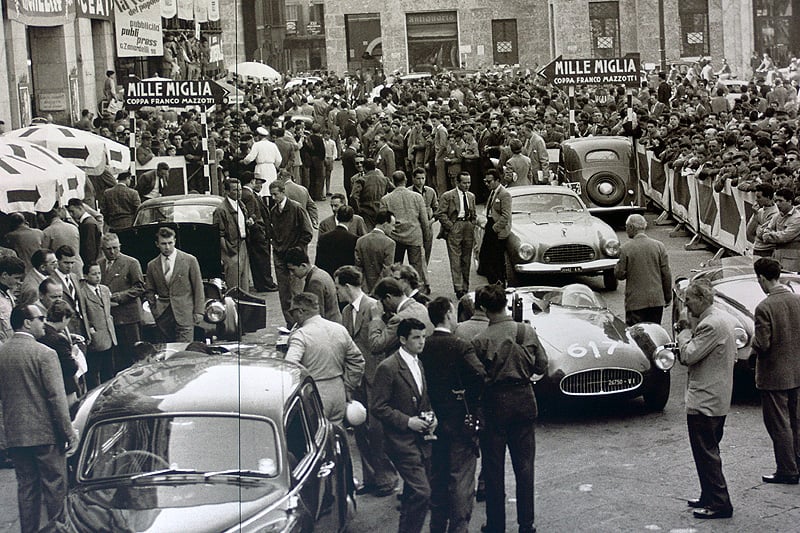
643	262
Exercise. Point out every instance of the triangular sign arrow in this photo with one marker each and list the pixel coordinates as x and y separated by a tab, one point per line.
548	71
218	91
73	153
24	195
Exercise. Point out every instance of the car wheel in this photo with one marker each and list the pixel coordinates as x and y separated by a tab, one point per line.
605	189
610	281
657	392
512	276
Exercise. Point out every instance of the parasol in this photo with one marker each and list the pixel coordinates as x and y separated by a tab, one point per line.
254	72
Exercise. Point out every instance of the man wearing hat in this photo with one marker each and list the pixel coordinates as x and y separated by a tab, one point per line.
266	155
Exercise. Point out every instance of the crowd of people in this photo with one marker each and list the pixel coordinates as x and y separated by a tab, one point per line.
443	379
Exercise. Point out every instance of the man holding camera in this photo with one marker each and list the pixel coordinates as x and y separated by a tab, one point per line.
455	378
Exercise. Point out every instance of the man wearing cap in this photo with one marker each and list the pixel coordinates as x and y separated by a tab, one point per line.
266	155
258	236
152	183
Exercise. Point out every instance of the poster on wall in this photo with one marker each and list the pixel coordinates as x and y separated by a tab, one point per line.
40	13
74	100
137	24
24	105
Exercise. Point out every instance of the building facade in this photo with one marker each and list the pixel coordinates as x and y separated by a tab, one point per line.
57	52
409	36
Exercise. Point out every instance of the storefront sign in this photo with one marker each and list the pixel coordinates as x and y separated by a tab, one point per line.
615	71
313	28
438	17
94	9
137	24
51	101
40	12
173	93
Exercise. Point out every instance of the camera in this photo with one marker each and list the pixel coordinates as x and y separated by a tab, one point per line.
472	424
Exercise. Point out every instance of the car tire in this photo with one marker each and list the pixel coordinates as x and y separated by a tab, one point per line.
512	276
610	281
617	195
656	394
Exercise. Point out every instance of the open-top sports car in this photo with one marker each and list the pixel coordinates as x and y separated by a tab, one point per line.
229	311
552	232
591	352
736	291
235	440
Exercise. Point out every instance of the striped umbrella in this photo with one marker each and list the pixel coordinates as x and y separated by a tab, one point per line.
84	149
33	178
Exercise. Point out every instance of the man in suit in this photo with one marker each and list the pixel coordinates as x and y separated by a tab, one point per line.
122	275
233	222
258	236
777	369
384	160
709	350
22	238
380	477
119	203
498	228
440	149
374	253
349	165
784	231
192	151
290	228
395	306
367	191
337	248
60	232
12	270
315	281
431	201
329	354
408	278
399	402
412	227
455	378
174	289
56	336
299	194
44	264
153	183
36	418
643	262
99	356
457	217
88	229
66	276
356	226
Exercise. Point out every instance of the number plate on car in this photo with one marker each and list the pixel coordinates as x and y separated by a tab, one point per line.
571	269
574	185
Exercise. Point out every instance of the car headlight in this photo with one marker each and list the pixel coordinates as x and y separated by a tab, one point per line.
740	337
215	311
526	251
611	248
664	358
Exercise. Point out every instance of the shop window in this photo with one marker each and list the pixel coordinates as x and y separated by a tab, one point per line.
363	35
432	39
773	21
694	27
604	20
504	42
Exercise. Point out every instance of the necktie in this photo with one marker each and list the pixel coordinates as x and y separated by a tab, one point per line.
108	265
71	288
167	269
489	204
463	204
97	291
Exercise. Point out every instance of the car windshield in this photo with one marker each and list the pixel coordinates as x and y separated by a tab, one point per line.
546	203
575	295
188	444
201	213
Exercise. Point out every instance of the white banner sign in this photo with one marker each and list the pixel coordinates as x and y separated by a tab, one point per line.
137	24
200	11
169	8
186	9
213	10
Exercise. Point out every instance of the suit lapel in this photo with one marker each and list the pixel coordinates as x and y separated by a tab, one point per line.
406	374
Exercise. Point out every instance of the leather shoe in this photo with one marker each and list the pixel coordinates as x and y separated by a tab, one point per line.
784	479
712	514
365	489
271	288
694	503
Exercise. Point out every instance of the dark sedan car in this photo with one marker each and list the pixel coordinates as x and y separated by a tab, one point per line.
591	352
231	441
229	311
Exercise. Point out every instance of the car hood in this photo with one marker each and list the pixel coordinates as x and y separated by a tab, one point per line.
579	339
567	226
165	507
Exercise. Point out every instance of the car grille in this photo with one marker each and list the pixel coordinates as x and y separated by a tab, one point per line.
569	253
601	381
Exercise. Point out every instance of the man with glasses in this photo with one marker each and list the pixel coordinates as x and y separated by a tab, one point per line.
37	424
783	231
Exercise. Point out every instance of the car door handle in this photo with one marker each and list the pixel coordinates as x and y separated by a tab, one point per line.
325	469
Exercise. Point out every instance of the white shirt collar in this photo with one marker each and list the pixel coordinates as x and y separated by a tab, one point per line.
282	205
413	364
442	328
357	302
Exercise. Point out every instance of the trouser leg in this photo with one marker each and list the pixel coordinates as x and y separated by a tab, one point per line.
776	409
705	434
415	471
493	450
461	485
416	260
522	448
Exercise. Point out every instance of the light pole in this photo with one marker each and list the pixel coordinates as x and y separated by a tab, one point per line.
661	38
